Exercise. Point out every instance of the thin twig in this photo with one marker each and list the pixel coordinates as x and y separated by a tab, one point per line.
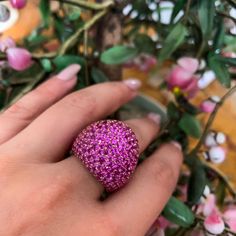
27	88
70	42
211	120
187	11
223	177
88	5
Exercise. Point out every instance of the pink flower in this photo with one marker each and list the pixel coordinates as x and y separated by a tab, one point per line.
19	58
6	43
189	64
18	3
182	76
214	223
230	217
207	106
208	205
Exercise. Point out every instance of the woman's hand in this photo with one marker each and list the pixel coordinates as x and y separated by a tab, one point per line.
44	194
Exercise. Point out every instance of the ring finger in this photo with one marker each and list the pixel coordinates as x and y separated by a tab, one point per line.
145	129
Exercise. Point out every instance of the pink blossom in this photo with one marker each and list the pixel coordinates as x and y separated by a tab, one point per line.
230	217
207	106
179	77
189	64
6	43
208	205
214	223
182	76
19	58
18	3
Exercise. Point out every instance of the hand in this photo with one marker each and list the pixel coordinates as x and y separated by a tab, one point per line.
44	194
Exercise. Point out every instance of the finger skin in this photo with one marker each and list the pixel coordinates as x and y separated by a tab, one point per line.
52	133
135	207
144	129
24	111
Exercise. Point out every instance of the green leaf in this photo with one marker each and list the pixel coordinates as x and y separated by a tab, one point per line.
46	64
178	213
190	125
230	41
185	104
220	69
118	55
179	5
144	43
206	14
75	15
220	35
44	7
173	111
174	39
197	183
3	96
98	76
62	62
228	60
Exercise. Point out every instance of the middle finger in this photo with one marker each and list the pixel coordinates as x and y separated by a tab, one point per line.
51	134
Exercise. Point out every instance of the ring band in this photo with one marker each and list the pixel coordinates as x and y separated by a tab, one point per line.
110	150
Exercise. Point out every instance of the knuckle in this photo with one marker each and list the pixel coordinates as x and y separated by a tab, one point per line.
20	110
164	172
84	101
47	92
57	191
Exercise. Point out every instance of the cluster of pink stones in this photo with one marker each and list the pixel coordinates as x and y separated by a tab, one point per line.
109	149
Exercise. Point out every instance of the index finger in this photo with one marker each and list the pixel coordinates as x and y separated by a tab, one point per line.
135	207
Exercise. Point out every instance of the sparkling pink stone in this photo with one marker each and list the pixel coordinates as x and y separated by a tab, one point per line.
109	149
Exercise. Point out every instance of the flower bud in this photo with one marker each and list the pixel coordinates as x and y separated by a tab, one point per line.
207	78
214	223
207	106
18	3
19	58
6	43
214	139
215	154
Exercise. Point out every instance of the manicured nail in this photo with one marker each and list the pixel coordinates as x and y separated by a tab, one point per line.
69	73
133	84
154	117
176	144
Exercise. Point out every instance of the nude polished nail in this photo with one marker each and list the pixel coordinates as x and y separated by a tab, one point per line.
69	73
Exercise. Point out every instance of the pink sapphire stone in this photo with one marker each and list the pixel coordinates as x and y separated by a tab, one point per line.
109	149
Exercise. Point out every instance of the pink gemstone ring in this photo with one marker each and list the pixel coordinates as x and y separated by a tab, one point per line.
109	149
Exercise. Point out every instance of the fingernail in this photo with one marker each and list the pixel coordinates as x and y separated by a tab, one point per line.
133	84
69	73
154	117
176	144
